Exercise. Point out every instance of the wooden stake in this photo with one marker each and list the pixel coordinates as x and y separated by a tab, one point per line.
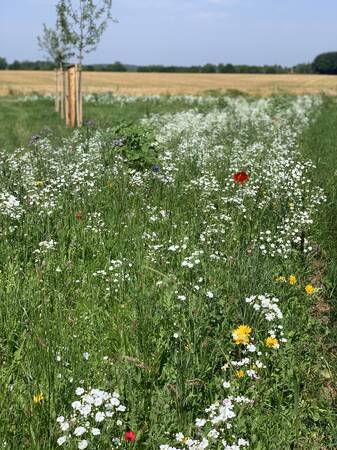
71	97
66	99
62	93
78	96
56	90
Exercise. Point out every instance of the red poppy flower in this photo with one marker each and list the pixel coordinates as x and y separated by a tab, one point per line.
240	177
130	436
78	215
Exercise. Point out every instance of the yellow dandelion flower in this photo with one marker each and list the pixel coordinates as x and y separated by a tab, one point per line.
240	373
309	289
38	399
272	342
280	279
241	334
39	184
292	280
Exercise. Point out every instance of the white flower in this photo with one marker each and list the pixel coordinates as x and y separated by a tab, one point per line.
243	442
85	410
79	391
76	404
86	356
213	434
179	437
115	401
61	440
226	384
121	408
60	419
99	416
79	431
64	426
209	294
95	431
200	422
82	444
98	401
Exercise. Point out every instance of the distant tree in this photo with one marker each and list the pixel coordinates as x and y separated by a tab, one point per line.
226	68
208	68
325	63
16	65
271	69
3	64
116	67
303	68
195	69
89	68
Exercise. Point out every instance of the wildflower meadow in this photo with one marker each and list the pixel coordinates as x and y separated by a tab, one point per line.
167	276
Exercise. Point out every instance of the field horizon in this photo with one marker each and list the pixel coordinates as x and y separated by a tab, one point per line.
27	82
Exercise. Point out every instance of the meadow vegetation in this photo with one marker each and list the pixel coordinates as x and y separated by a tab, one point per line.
168	274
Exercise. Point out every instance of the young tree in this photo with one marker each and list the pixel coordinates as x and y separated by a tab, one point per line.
83	22
57	46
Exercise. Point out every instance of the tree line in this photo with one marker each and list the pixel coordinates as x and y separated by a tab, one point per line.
120	67
325	63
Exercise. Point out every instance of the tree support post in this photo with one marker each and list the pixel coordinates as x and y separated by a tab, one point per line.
73	97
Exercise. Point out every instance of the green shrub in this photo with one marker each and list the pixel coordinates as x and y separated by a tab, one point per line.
326	63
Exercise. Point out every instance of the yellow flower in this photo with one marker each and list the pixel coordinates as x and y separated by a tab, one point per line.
272	342
39	184
240	373
38	399
241	334
280	279
292	280
309	289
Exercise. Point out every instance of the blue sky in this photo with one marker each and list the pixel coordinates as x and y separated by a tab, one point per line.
186	32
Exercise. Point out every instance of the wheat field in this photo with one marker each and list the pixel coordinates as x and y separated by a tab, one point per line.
25	82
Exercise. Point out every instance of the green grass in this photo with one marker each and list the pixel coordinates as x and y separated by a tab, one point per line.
163	355
20	121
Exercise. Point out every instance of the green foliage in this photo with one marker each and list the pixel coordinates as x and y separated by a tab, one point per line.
303	68
326	63
54	44
83	23
209	68
3	64
116	67
226	68
134	142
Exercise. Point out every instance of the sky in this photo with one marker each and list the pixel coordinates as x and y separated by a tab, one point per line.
187	32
